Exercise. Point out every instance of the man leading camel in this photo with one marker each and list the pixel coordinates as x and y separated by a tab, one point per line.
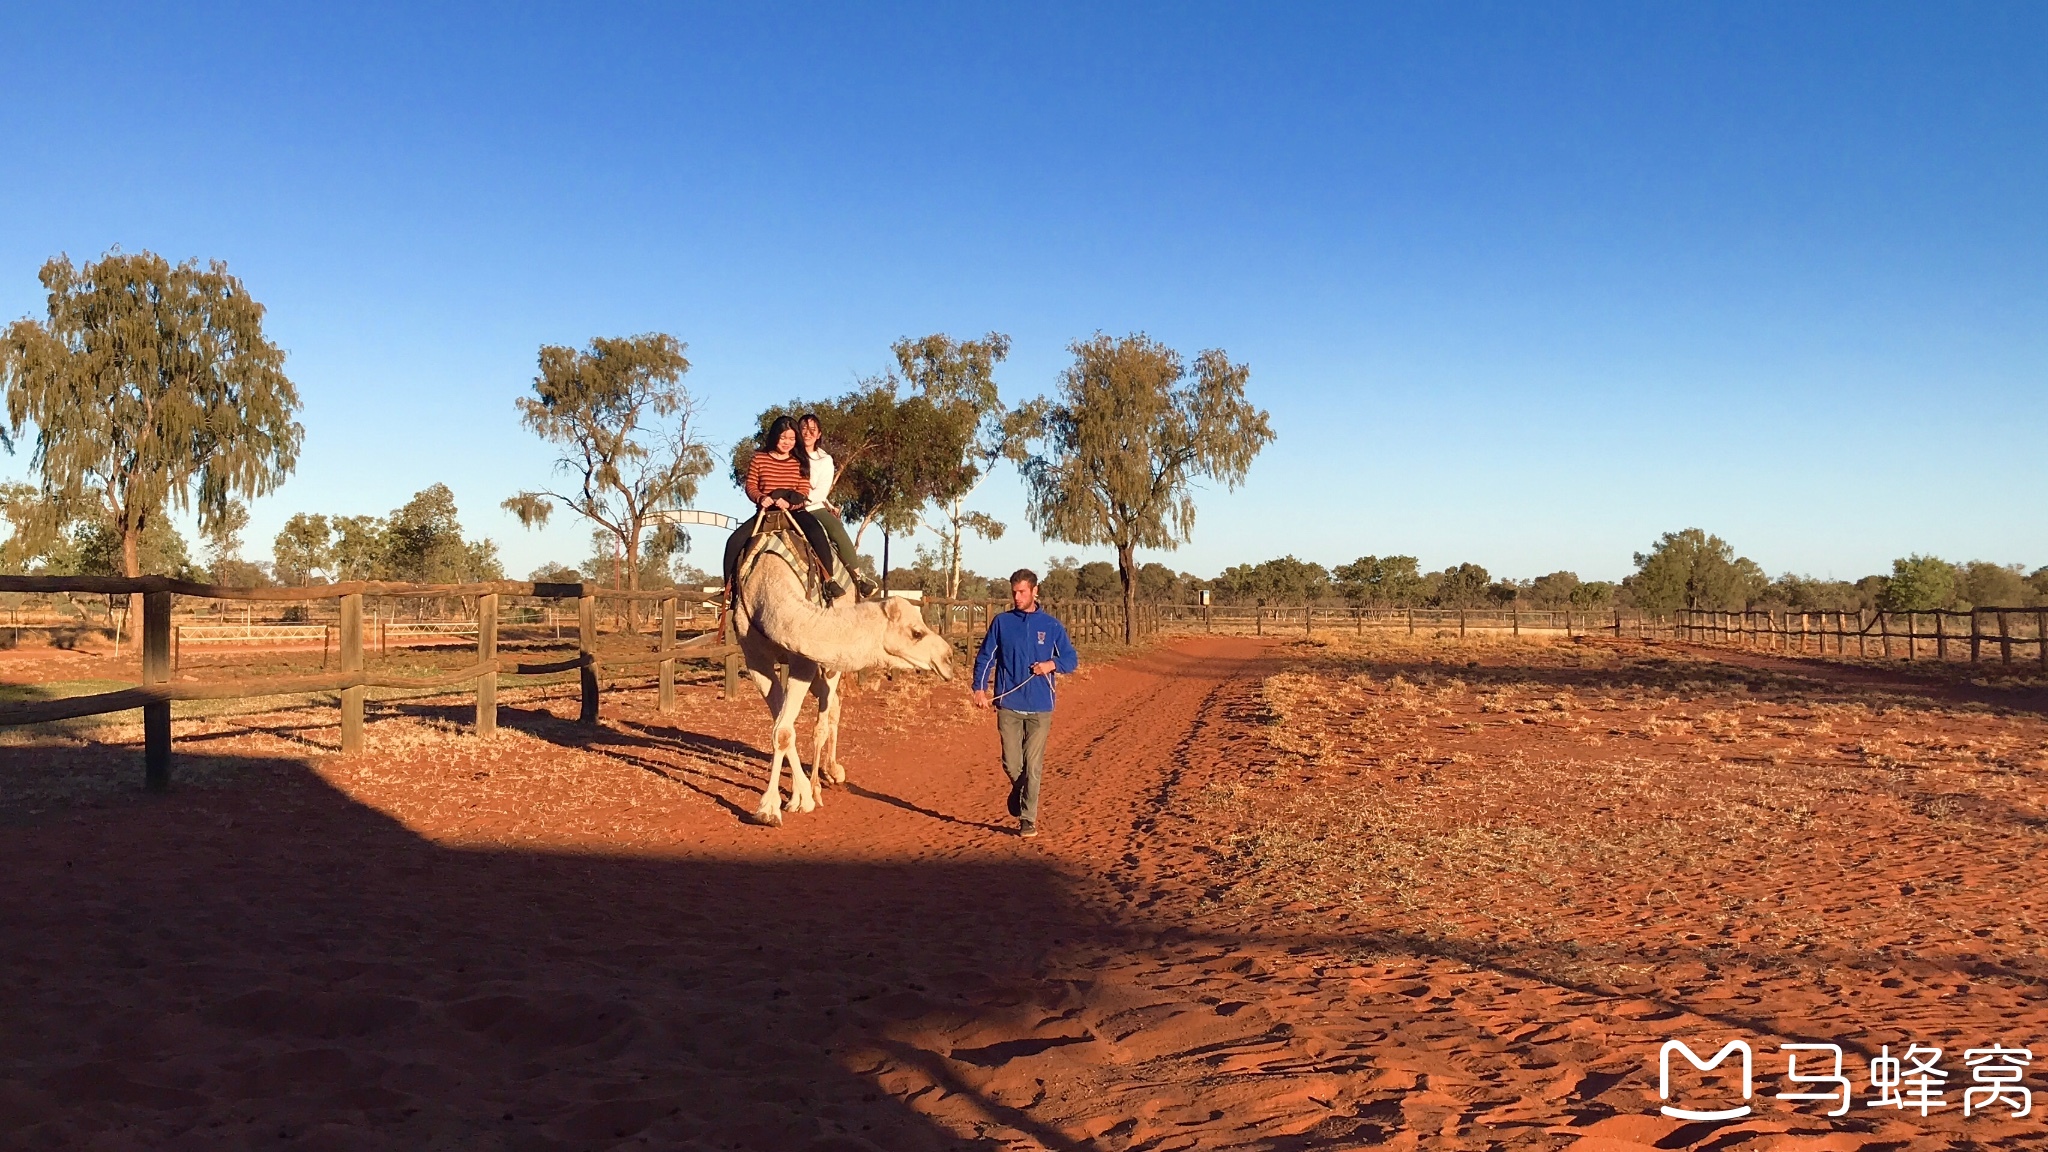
1024	647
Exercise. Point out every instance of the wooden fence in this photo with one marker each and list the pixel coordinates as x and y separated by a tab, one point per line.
1909	634
1085	620
158	689
1309	619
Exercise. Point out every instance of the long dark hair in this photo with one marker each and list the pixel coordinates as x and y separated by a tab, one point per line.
810	418
773	436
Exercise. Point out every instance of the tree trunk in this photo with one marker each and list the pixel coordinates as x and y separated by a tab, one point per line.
131	565
953	569
632	581
1127	568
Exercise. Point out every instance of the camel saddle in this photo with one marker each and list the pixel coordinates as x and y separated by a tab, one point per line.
776	534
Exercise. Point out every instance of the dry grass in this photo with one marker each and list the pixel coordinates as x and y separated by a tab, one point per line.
1614	806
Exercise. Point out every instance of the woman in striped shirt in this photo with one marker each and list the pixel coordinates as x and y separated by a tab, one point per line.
779	476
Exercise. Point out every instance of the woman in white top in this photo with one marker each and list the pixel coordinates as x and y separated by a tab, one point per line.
823	472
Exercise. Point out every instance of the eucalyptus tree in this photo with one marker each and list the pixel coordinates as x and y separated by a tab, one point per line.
620	414
974	430
150	386
1131	430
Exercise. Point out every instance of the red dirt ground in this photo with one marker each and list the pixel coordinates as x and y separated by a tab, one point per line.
1291	896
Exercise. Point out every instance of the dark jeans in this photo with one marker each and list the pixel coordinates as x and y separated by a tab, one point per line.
821	541
1024	736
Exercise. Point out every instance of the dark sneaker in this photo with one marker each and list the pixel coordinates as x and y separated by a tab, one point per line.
866	586
1027	831
1017	798
832	591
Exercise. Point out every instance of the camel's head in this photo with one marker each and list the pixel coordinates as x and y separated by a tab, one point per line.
911	645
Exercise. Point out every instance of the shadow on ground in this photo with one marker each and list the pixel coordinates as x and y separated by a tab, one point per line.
276	964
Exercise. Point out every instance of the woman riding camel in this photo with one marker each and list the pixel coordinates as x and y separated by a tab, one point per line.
823	471
779	476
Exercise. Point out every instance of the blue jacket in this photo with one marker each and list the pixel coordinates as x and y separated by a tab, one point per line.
1015	641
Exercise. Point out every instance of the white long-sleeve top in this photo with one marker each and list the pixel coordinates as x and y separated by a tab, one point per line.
822	474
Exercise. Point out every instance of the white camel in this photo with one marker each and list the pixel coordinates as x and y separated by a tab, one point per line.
777	623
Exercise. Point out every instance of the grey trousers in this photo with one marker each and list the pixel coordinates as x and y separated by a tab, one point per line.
1024	736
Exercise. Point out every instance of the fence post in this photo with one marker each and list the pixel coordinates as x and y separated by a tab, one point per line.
2004	639
665	692
2041	635
1976	640
1912	638
1617	623
1308	620
1515	620
1940	635
487	653
352	665
1884	632
586	651
1461	623
1411	622
156	669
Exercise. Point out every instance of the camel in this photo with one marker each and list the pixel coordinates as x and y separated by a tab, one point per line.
777	622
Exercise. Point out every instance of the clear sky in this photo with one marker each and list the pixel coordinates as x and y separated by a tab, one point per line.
1524	285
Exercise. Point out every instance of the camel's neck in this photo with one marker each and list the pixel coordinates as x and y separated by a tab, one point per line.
846	638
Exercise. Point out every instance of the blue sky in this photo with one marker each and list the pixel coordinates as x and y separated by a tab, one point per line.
1524	285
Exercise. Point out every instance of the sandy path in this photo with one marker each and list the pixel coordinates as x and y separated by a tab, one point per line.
567	940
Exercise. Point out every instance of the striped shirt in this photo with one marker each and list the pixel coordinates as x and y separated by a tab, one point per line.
766	474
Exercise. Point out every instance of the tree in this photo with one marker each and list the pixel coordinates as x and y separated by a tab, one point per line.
1691	569
423	543
1920	584
1095	581
1462	587
622	416
1554	590
359	547
892	455
150	386
223	541
1132	429
303	547
1380	580
1988	585
957	377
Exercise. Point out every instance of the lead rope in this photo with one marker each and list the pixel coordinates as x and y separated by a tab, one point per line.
1051	683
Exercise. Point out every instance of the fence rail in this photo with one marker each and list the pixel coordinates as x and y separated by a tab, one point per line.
158	689
1791	631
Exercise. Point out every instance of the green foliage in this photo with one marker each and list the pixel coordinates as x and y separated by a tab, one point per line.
94	547
1691	569
1921	583
150	386
957	378
223	541
1131	430
303	548
1464	586
1282	581
1380	581
620	413
1097	580
1982	584
423	543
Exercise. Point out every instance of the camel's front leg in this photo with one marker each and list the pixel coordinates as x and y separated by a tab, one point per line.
825	756
802	797
761	670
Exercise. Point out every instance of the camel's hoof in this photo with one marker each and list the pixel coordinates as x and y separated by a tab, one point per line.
767	819
839	773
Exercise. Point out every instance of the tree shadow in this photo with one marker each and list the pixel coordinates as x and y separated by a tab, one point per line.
271	962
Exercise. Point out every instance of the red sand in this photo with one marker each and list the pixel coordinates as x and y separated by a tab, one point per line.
566	939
